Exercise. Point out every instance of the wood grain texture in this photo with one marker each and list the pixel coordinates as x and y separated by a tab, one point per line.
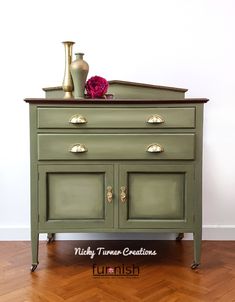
62	276
112	101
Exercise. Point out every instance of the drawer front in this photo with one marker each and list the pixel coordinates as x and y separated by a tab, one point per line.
116	146
116	118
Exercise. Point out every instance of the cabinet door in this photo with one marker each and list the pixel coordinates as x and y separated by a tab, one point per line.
157	196
75	196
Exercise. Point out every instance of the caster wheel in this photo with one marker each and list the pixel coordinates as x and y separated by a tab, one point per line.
195	265
33	267
50	238
180	236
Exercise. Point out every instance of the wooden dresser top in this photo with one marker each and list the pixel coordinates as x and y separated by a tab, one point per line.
58	101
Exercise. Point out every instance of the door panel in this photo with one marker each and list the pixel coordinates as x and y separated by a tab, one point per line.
157	196
75	196
162	194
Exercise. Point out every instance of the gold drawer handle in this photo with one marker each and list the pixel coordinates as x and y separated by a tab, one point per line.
109	194
78	119
123	194
155	148
78	148
155	119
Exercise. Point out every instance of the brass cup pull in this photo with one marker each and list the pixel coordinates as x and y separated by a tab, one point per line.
78	148
155	119
155	148
78	119
109	194
123	194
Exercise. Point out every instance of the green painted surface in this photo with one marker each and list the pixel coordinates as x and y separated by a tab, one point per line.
75	195
116	117
158	196
68	191
127	92
118	146
56	93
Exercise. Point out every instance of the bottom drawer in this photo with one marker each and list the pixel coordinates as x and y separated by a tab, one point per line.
116	146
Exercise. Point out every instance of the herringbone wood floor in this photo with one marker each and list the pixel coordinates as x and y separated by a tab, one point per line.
62	276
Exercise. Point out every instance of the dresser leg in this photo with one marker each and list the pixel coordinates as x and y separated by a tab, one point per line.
197	236
34	247
50	237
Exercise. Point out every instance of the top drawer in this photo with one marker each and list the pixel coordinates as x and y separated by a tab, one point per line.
116	117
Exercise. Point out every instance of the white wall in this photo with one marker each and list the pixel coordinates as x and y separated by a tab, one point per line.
183	43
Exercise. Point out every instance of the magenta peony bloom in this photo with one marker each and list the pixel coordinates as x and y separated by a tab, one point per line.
96	87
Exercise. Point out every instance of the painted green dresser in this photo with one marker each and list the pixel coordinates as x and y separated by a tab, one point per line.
116	166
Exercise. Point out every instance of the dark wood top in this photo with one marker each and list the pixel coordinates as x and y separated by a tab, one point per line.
127	83
111	101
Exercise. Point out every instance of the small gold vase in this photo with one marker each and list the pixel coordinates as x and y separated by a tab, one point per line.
68	81
79	71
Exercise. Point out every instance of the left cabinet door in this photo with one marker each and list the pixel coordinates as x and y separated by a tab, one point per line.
75	196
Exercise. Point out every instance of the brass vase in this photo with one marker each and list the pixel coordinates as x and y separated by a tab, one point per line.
79	70
68	82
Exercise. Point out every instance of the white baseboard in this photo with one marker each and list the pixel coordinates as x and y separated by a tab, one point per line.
210	232
218	232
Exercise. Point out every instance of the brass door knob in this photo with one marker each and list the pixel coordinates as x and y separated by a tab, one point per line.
109	194
123	194
77	119
155	119
78	148
155	148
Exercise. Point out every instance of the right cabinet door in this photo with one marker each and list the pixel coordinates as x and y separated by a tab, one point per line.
156	196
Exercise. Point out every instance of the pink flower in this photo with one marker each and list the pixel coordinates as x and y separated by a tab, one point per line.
110	270
96	87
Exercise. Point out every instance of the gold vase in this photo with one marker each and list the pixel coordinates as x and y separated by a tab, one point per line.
68	81
79	71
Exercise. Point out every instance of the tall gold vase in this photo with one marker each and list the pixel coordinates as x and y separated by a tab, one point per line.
68	81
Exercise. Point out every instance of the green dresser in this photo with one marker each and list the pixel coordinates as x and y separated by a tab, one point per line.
116	166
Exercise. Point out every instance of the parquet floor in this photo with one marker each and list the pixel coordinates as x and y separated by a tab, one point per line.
166	277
